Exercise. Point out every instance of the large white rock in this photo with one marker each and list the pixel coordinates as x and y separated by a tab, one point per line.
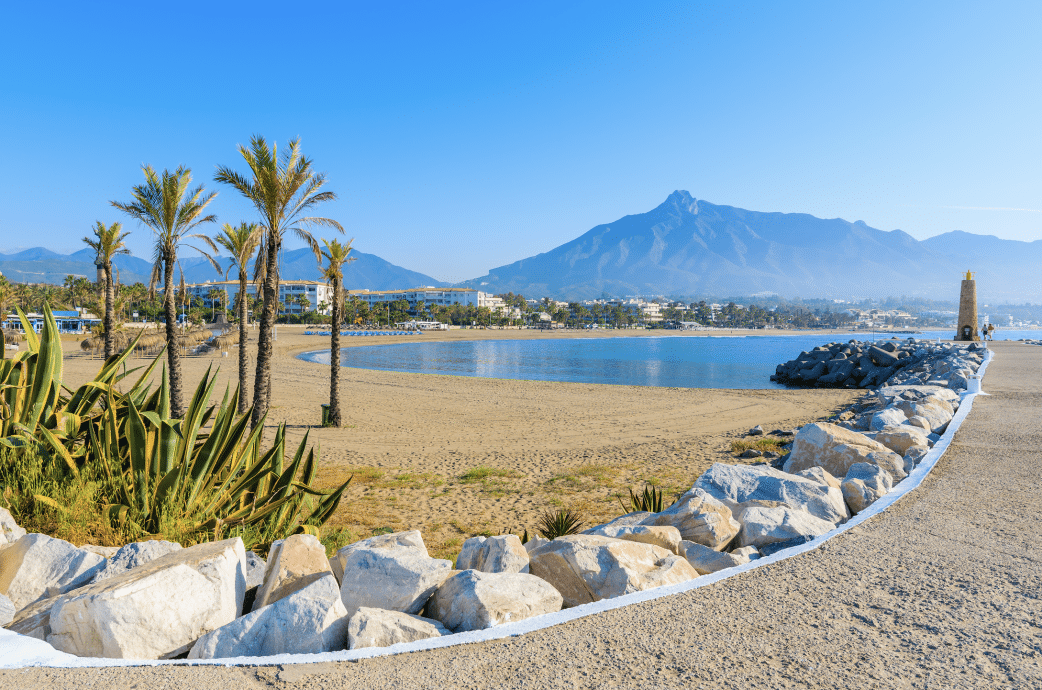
900	438
382	628
737	484
37	566
700	518
534	543
913	456
705	560
393	574
34	620
864	484
636	518
934	411
293	563
6	610
411	539
834	449
763	526
157	610
473	600
819	475
311	619
10	532
133	555
501	554
666	536
888	416
586	567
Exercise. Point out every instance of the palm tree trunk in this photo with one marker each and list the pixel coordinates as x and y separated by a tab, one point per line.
262	380
334	360
110	340
243	404
172	354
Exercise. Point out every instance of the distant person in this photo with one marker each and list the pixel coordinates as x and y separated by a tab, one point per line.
991	331
983	332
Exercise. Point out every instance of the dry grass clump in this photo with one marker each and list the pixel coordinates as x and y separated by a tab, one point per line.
761	443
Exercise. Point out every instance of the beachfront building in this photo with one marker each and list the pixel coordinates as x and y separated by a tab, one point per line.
295	296
78	321
466	297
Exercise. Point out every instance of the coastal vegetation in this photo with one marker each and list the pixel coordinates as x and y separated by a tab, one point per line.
335	255
111	462
241	243
166	205
107	243
283	189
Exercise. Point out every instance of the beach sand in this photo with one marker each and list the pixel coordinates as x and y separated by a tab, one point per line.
457	456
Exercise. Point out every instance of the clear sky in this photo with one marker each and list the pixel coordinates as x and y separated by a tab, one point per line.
464	136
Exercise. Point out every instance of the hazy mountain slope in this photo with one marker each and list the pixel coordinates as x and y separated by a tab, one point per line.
690	247
41	265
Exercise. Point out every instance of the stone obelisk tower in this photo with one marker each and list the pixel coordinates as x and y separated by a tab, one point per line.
968	310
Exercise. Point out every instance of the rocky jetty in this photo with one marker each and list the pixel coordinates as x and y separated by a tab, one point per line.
856	364
155	600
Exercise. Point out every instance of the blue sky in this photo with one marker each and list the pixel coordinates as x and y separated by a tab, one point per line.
464	136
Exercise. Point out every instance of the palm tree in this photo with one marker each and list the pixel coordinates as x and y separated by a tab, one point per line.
167	206
282	189
7	296
240	242
335	255
107	243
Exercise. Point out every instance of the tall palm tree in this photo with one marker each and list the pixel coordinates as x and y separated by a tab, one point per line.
107	243
240	242
335	256
283	189
172	210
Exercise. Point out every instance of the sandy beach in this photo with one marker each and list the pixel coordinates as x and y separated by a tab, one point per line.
456	456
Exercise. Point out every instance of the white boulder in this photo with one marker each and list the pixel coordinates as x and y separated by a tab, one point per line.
819	475
37	566
473	600
393	574
705	560
10	532
666	536
888	416
157	610
934	412
133	555
737	484
382	628
900	438
255	567
293	563
834	449
6	610
763	526
700	518
864	484
501	554
311	619
534	543
586	567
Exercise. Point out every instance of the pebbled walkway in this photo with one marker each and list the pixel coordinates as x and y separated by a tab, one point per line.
941	591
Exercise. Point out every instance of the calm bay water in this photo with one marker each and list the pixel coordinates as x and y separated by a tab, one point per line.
669	361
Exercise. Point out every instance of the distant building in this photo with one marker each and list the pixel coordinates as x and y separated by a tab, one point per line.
319	295
67	321
466	297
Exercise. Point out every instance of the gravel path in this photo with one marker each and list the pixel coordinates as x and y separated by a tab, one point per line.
941	591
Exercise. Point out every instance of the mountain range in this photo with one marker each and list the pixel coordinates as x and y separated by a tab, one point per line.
685	248
367	271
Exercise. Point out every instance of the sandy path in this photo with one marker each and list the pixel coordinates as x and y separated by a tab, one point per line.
941	591
410	440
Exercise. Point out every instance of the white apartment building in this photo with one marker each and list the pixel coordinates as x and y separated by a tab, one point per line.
430	295
319	295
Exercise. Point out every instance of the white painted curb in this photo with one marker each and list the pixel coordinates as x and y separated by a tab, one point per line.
18	651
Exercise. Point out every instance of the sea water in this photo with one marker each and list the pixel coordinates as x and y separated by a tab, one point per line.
676	360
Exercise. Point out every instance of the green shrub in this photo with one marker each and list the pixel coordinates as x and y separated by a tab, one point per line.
202	477
559	523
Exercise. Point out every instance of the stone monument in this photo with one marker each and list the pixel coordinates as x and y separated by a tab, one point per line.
968	310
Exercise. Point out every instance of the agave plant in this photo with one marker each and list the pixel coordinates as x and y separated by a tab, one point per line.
559	523
159	469
648	501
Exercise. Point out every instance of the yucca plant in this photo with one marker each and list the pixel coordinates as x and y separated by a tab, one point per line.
648	501
161	470
558	523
